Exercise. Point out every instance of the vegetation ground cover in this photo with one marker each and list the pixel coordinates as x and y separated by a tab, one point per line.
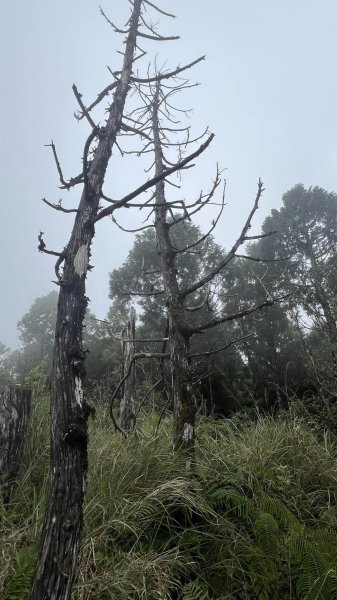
254	517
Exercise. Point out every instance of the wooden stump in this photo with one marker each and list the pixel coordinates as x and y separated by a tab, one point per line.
15	410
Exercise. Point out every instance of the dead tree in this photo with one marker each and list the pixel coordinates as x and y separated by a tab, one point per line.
60	538
179	327
158	108
15	410
127	406
182	327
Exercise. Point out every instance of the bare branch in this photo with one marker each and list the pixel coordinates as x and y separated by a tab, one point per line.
65	184
240	314
147	395
159	9
158	38
58	263
108	199
201	305
263	260
217	350
83	108
130	230
133	293
110	209
232	252
61	256
116	29
99	98
259	237
138	355
214	222
135	131
162	414
160	77
42	246
168	75
59	206
199	205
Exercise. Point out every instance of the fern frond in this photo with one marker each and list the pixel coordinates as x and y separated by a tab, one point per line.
267	534
317	579
263	571
232	502
279	511
324	588
325	540
195	590
19	583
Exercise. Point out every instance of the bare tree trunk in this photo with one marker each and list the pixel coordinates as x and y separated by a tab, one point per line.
274	365
211	397
250	363
15	411
184	407
127	407
62	527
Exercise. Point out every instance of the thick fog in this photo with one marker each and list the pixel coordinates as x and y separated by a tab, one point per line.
268	93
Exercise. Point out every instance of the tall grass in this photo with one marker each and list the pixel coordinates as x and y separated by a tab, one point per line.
255	516
20	522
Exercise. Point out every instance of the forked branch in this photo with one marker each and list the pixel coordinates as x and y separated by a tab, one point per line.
240	314
222	348
148	184
65	184
231	254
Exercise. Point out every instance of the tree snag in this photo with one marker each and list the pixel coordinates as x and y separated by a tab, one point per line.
61	531
179	328
127	406
54	574
15	411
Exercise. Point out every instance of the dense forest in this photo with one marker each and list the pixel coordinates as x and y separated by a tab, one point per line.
276	353
184	447
281	352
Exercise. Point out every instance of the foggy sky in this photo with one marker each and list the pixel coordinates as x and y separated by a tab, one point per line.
268	93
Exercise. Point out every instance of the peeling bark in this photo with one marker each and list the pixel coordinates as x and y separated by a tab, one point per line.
15	411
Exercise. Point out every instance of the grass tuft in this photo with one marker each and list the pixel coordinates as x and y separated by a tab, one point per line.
255	517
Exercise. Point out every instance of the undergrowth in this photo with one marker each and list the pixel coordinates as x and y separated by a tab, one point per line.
255	516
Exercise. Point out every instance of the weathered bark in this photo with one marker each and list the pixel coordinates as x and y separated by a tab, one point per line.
62	526
127	407
184	407
15	411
